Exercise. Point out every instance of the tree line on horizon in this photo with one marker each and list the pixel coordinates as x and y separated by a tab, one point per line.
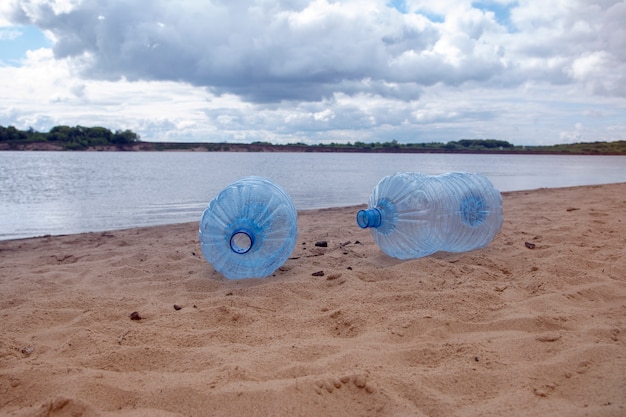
81	138
70	138
497	145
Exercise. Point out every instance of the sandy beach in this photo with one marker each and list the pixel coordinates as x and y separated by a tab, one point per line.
532	325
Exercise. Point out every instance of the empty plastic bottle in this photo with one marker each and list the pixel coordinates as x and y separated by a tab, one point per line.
414	215
249	229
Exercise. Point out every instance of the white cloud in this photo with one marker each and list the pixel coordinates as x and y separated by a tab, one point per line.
9	34
325	70
591	68
5	12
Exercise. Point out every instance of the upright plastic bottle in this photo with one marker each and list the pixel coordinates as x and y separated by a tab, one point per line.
414	215
249	229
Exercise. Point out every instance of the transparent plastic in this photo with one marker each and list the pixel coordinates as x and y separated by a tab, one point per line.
413	215
249	229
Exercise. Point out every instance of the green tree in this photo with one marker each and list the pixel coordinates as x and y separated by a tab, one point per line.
125	137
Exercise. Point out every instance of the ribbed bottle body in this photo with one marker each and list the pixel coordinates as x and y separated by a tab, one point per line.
471	209
405	229
422	214
249	229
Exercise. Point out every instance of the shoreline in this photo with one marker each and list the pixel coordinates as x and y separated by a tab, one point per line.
355	207
534	323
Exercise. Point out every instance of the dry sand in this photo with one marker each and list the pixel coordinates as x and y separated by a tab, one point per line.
502	331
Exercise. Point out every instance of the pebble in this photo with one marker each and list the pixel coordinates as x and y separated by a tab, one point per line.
548	337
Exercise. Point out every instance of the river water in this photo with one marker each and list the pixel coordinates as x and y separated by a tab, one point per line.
52	193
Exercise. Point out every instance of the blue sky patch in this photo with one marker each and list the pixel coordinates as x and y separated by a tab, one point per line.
501	11
399	5
16	40
433	17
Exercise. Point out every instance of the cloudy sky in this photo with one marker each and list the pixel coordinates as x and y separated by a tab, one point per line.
318	71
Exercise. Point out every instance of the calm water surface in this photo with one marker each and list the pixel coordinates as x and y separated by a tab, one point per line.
73	192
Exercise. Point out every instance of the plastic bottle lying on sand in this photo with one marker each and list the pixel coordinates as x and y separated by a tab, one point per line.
249	229
414	215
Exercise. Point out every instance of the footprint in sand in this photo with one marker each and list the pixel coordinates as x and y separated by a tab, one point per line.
358	382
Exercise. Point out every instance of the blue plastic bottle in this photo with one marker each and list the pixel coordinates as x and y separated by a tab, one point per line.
249	229
414	215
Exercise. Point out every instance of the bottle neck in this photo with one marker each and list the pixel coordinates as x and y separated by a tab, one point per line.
241	241
369	218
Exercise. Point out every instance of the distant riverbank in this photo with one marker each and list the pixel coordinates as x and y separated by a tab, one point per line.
81	138
596	148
